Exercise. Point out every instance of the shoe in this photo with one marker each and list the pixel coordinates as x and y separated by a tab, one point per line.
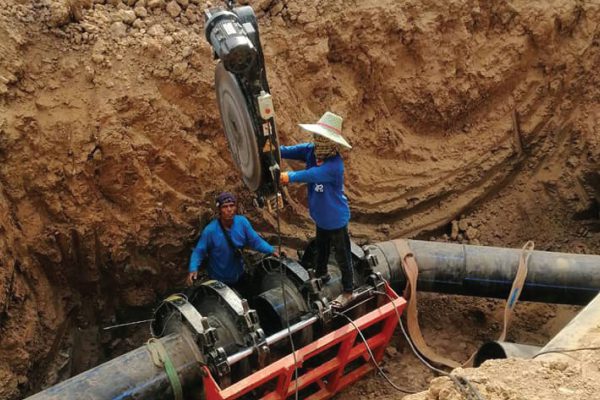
343	300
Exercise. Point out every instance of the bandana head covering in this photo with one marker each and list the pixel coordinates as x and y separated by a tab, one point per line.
224	198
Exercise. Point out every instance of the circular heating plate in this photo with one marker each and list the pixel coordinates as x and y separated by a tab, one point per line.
238	126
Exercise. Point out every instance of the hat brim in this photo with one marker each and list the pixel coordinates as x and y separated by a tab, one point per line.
320	130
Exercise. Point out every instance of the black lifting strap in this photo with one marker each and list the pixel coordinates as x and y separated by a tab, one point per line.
239	252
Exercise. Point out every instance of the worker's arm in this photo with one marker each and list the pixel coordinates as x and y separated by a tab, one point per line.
200	252
296	152
254	241
321	174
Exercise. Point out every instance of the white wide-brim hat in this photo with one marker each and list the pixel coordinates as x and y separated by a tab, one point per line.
329	126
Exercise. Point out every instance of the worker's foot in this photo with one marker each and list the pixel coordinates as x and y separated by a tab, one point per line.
325	278
343	300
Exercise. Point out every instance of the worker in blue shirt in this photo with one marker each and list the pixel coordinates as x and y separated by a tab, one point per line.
222	241
327	204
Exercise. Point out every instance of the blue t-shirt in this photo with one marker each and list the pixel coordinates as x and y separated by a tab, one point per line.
223	264
327	204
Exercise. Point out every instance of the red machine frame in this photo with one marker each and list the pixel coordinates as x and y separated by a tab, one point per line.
350	349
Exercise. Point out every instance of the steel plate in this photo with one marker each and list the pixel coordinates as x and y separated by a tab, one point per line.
238	126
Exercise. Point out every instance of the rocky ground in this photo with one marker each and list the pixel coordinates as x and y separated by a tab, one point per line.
473	122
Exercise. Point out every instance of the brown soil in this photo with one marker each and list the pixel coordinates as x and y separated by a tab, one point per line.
111	151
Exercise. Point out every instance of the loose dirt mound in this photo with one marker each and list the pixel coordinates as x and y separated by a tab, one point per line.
111	148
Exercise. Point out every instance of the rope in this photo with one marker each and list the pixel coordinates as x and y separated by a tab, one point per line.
161	359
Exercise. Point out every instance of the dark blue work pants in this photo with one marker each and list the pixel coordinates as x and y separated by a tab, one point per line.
340	240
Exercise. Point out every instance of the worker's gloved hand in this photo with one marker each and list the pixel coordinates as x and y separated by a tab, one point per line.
284	178
279	254
203	275
192	276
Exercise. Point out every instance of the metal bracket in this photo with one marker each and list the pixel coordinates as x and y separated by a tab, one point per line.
377	281
372	260
259	342
247	317
314	285
319	303
356	250
323	310
205	335
293	269
297	271
256	336
218	361
226	294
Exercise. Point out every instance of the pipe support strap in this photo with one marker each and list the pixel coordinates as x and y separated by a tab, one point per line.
161	359
517	287
411	270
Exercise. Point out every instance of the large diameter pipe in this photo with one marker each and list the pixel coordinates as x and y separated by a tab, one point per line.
579	334
133	376
489	271
499	350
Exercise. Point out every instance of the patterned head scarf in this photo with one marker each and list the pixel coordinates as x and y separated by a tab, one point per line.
225	197
324	148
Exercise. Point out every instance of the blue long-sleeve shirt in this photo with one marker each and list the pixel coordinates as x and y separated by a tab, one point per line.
327	204
223	264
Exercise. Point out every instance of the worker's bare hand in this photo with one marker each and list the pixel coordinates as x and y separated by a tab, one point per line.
192	276
276	253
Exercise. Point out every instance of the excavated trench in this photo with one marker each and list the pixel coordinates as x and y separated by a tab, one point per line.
471	122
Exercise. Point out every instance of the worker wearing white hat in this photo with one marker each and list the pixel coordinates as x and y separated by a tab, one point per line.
327	204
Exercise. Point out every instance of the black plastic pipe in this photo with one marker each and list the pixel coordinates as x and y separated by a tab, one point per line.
489	271
499	350
133	376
